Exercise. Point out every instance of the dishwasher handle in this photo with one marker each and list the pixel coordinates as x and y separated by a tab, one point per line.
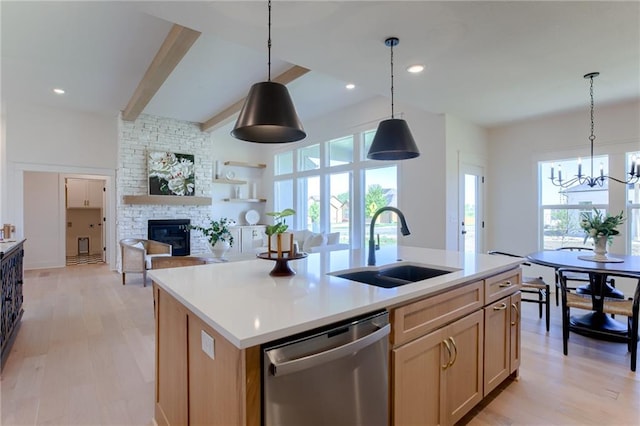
293	366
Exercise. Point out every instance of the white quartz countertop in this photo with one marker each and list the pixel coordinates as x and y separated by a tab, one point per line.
248	307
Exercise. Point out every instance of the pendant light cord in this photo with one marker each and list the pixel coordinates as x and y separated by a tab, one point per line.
269	45
392	80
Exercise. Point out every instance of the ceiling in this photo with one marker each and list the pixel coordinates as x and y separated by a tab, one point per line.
491	63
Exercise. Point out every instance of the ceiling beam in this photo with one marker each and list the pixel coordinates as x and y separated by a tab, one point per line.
228	113
175	46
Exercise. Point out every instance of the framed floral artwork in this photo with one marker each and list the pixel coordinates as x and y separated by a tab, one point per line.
171	174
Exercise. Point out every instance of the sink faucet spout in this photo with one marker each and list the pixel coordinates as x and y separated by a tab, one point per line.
404	229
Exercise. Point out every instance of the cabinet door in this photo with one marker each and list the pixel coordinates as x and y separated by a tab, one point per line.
497	356
76	193
463	384
215	384
94	193
237	240
417	377
171	362
515	332
252	238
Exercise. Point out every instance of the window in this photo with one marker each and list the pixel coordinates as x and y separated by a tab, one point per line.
283	163
561	207
309	192
309	158
333	189
339	204
381	191
341	151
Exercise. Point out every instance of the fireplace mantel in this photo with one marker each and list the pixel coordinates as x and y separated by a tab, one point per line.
171	200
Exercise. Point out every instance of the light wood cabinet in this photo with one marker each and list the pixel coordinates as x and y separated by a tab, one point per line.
193	388
502	341
450	350
437	378
84	193
171	360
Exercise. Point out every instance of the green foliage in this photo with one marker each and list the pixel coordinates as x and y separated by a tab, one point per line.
280	224
374	199
216	231
314	211
596	225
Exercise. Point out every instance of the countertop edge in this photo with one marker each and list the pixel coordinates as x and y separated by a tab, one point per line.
436	285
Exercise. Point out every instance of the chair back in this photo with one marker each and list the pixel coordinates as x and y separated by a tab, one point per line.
571	298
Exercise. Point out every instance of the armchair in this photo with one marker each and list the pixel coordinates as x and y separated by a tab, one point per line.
137	255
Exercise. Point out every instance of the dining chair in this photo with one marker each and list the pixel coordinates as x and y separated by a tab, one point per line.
577	277
532	285
626	307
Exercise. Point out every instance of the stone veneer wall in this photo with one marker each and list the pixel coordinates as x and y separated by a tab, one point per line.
135	140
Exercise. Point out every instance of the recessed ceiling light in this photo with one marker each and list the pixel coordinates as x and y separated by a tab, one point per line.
350	86
58	91
414	69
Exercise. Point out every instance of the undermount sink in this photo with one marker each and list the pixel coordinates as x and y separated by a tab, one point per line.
394	276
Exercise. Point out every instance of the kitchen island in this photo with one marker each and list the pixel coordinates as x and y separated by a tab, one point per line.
230	310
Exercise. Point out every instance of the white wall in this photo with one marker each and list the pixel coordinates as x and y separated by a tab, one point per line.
466	143
42	224
41	139
422	193
512	214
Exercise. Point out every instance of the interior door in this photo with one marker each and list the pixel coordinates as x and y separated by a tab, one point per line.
471	208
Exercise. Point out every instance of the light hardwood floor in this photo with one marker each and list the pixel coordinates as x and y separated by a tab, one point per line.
84	355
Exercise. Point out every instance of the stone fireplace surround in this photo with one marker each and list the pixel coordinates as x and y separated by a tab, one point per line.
135	139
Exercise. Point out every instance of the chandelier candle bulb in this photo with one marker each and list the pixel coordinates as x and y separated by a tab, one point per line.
579	167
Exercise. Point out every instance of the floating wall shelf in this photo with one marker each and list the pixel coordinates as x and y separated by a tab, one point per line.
167	200
244	200
230	181
244	164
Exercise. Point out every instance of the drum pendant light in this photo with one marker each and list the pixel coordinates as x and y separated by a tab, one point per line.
393	140
268	114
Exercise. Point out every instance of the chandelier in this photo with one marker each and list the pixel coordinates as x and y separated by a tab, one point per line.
592	180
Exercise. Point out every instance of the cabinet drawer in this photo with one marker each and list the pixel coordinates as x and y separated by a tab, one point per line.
501	285
421	317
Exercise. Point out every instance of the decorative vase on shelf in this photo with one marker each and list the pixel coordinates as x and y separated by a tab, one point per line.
600	248
220	249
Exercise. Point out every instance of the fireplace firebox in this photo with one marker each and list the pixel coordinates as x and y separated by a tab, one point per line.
171	231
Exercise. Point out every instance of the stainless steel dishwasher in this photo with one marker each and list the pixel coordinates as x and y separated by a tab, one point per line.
336	376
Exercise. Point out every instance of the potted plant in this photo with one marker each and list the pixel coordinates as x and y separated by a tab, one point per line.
218	235
280	241
601	229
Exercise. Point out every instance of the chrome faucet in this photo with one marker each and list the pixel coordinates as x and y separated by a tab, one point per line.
372	244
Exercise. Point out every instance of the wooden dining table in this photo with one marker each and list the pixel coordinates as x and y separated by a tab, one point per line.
597	320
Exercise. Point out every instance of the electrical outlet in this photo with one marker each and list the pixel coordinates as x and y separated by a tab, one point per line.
207	344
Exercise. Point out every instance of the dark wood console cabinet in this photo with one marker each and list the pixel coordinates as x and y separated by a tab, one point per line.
11	279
